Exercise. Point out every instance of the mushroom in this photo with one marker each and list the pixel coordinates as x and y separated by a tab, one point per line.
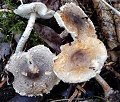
32	70
75	21
31	11
81	61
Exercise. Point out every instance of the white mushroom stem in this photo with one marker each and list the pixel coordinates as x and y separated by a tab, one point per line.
106	88
26	33
96	2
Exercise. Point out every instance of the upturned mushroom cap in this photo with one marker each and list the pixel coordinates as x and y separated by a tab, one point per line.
30	83
24	10
80	61
75	21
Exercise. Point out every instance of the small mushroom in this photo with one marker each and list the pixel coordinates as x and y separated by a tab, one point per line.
32	70
75	21
31	11
81	61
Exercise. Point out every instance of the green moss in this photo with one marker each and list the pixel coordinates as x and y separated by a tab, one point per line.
12	24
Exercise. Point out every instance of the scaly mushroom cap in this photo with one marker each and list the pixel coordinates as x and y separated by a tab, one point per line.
28	83
41	9
75	21
80	61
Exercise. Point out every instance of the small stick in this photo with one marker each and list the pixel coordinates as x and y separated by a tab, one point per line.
73	96
5	10
115	10
96	2
105	86
2	82
115	72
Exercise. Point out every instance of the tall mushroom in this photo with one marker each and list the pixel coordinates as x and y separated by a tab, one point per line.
75	21
31	11
32	70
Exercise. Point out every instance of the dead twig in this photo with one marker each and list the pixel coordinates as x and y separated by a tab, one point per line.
77	92
108	67
3	82
73	96
5	10
112	8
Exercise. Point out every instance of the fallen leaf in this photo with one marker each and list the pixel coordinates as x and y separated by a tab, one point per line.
49	36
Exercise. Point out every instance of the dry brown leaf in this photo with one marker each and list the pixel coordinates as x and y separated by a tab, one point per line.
49	36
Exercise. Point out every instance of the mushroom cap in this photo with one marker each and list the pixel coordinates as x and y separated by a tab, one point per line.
80	61
75	21
24	10
26	83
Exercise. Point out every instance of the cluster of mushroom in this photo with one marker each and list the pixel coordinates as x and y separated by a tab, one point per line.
35	71
84	58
